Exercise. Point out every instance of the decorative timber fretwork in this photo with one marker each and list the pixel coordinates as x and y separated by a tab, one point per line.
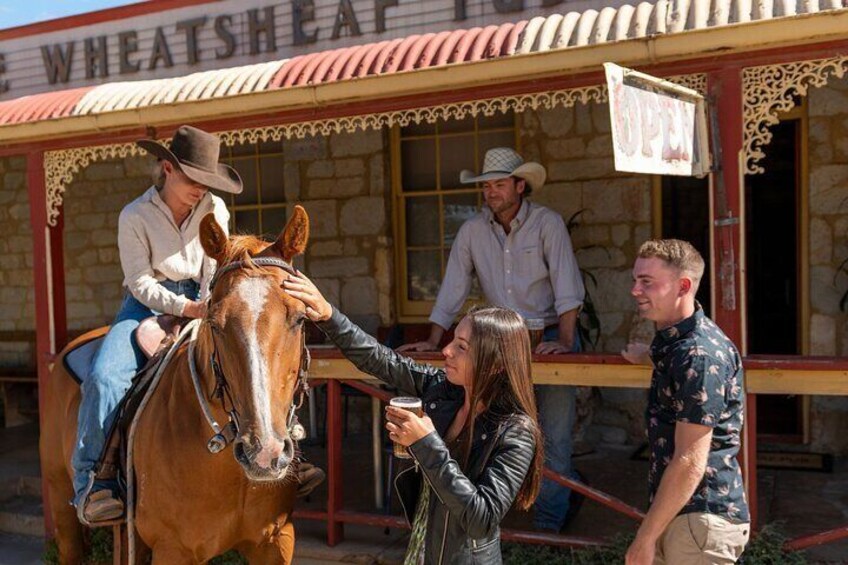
60	166
771	89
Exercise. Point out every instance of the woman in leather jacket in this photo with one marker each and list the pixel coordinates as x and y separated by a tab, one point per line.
471	464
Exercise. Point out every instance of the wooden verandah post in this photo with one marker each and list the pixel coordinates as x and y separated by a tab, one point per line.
49	283
728	228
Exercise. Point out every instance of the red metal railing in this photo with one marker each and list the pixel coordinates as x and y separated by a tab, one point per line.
829	378
336	516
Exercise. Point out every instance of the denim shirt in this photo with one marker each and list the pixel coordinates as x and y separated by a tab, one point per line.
698	379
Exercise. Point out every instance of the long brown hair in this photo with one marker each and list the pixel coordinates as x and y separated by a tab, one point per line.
502	382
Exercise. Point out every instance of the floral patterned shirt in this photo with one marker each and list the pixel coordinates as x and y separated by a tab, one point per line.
698	379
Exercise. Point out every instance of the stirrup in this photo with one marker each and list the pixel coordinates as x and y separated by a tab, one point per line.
95	508
103	506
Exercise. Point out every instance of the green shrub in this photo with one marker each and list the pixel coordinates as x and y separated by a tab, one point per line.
229	558
51	553
100	546
766	548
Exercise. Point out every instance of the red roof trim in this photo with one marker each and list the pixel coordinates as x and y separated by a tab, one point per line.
57	104
99	16
367	61
432	49
352	62
480	46
445	52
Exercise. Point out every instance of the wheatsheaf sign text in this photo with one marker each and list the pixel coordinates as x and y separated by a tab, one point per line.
101	59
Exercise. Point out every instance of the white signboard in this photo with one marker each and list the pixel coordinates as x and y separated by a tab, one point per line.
658	127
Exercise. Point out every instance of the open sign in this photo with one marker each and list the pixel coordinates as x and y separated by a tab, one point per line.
657	127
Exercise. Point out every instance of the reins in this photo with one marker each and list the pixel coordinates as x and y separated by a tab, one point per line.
224	435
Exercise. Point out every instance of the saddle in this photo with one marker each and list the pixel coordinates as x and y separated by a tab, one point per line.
154	336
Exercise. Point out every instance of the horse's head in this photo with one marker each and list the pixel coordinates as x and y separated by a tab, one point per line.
255	330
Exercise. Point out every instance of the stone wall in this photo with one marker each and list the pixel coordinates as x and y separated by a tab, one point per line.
614	218
92	204
614	209
828	185
17	296
342	181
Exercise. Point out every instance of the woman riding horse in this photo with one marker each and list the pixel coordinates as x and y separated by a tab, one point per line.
165	271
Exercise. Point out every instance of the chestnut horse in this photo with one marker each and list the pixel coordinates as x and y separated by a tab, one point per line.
193	505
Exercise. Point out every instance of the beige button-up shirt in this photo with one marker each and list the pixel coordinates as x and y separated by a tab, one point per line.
153	248
531	270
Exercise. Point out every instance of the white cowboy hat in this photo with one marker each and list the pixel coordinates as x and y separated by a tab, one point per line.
503	162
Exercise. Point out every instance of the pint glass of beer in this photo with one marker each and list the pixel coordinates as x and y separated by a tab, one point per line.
412	404
536	329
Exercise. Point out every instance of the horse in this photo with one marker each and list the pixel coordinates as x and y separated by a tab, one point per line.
194	504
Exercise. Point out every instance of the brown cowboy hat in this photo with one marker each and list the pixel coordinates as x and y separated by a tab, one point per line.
195	153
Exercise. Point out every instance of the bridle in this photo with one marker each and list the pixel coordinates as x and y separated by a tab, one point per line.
224	435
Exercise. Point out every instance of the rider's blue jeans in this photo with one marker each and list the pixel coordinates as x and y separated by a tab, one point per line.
113	368
556	405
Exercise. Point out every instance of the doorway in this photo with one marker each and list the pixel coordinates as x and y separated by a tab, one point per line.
773	244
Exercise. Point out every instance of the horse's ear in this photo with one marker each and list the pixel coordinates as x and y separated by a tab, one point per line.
213	239
292	241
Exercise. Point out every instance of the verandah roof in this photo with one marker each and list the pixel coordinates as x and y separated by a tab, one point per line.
553	33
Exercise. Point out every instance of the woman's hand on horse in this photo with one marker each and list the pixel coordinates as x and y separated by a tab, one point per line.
406	427
317	308
195	309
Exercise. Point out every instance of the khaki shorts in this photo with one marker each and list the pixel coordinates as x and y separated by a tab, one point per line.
701	539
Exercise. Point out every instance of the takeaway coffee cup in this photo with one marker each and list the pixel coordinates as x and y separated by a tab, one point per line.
412	404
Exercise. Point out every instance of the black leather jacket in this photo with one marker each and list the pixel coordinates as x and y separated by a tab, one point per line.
466	507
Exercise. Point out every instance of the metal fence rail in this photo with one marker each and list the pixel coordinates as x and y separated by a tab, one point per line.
773	375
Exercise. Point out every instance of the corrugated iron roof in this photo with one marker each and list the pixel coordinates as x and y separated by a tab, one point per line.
197	86
557	31
37	107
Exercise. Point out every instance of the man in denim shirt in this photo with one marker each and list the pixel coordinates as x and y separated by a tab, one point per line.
698	511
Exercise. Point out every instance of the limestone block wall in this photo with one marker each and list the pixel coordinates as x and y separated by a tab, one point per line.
828	186
342	181
17	296
92	203
614	218
615	209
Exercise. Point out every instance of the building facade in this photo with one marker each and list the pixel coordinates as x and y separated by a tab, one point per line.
365	112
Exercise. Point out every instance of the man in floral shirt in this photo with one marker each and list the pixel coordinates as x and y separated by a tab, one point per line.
698	511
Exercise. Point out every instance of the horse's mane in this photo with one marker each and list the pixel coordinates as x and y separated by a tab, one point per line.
243	247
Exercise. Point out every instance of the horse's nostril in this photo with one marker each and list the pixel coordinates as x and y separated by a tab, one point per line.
286	455
251	447
288	448
240	453
280	463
